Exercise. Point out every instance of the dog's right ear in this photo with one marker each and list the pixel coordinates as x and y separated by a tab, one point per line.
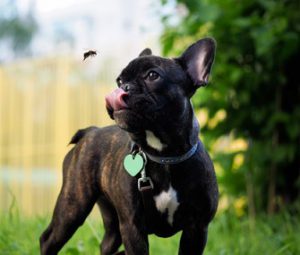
146	52
197	61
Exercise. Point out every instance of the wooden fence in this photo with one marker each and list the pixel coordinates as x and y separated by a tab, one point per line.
42	104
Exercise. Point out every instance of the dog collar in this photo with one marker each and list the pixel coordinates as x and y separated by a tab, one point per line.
177	159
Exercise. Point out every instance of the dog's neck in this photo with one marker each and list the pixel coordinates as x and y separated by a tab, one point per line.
173	140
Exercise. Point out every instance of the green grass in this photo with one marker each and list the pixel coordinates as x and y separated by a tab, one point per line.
276	235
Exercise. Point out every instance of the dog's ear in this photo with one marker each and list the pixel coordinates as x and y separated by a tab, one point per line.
146	52
198	59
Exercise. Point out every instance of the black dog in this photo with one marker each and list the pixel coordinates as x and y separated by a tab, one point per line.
174	186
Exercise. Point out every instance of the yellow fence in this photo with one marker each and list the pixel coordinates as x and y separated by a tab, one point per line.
42	104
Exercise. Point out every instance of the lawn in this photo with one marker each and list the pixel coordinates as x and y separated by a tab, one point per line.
228	234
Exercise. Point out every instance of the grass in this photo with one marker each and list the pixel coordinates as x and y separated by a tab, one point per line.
276	235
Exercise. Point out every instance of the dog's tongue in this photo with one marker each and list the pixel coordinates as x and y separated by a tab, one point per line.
115	100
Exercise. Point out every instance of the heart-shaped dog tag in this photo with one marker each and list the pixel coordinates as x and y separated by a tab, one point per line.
133	165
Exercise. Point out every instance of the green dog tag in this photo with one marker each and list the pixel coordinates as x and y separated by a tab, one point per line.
133	165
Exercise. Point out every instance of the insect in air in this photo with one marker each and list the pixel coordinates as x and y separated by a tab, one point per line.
90	53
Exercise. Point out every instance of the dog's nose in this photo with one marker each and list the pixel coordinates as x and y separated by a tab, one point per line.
116	100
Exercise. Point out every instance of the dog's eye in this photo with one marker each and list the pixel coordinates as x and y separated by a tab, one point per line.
119	82
152	76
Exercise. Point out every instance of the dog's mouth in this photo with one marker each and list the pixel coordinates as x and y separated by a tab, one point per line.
116	102
119	110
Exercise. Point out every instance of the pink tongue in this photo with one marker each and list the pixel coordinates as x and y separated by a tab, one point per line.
115	100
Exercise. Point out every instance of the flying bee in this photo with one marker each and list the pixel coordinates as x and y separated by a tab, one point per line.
90	53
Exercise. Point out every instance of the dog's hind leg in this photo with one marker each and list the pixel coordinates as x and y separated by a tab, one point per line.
75	201
68	215
112	237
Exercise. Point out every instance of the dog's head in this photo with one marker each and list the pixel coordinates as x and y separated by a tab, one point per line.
154	91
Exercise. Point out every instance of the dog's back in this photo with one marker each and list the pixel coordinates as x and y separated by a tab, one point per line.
95	151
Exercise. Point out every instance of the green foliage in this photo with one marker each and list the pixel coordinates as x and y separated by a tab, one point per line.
255	81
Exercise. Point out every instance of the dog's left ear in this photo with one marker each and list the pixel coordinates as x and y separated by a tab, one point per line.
146	52
198	59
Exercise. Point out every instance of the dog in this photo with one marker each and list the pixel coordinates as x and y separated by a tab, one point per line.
149	173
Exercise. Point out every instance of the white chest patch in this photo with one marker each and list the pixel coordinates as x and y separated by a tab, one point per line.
167	200
153	141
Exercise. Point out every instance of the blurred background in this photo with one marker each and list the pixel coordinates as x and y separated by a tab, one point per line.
48	92
249	113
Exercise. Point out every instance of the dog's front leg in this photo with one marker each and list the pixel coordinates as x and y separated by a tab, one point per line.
193	240
134	239
134	236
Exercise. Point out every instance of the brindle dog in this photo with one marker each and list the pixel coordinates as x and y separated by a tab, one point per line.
154	115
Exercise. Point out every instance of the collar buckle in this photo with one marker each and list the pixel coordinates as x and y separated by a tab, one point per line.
145	183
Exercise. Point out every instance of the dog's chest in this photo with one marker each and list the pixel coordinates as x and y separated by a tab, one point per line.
166	202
